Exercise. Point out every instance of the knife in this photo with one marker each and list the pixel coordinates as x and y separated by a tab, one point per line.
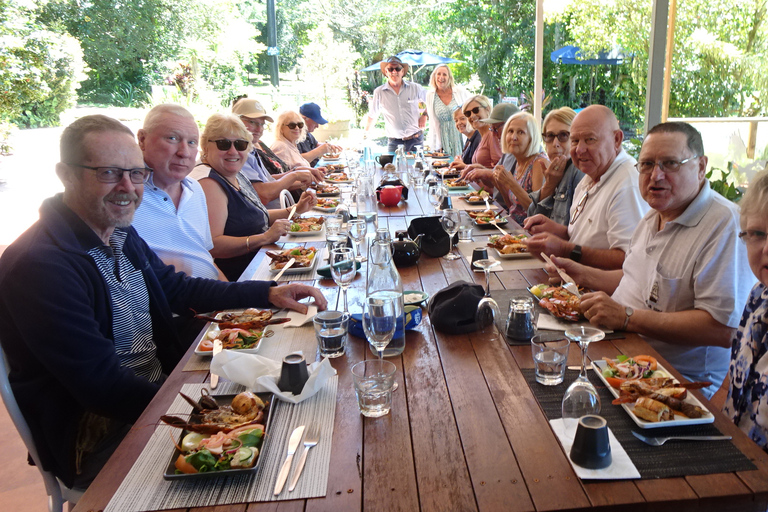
217	347
293	444
570	285
287	265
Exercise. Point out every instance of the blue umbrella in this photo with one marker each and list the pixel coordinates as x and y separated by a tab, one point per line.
573	55
416	58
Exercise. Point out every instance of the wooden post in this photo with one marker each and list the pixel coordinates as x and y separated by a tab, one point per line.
668	60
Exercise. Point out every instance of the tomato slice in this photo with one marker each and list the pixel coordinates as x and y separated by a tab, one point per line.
205	346
184	466
647	359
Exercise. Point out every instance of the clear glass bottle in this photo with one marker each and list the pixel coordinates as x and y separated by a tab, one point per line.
384	281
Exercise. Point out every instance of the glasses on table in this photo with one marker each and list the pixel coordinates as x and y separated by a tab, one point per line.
450	221
561	136
293	126
343	270
225	144
488	315
137	175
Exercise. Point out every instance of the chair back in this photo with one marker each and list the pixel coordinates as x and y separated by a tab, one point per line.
286	199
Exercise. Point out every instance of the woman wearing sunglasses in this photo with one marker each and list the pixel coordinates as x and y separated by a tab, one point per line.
290	129
476	108
561	176
240	223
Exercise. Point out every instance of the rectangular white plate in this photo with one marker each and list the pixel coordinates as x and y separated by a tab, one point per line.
513	256
294	269
599	366
307	233
213	331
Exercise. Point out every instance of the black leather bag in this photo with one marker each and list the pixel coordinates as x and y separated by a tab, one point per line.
435	241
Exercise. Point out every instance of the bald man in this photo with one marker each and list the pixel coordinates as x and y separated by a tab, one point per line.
607	205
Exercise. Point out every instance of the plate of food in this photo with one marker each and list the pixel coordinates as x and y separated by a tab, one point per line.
487	218
439	164
649	393
223	436
331	156
239	329
307	226
414	297
335	167
305	260
456	183
509	246
437	154
477	197
327	190
327	204
559	302
338	177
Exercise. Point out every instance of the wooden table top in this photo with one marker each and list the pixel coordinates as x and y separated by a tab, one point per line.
465	431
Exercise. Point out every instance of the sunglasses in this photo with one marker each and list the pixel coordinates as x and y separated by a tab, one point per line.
550	136
475	110
293	126
137	175
224	144
580	206
393	70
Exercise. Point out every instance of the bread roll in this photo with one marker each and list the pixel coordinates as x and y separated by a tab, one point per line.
651	410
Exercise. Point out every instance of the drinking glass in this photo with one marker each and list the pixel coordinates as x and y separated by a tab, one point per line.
343	270
581	397
358	229
437	194
488	313
450	222
379	321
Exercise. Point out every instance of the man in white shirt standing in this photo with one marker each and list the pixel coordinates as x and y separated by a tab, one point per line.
399	102
607	204
173	218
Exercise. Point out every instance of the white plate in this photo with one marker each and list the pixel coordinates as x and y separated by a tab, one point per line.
324	209
513	256
295	269
339	181
213	331
599	366
329	159
307	233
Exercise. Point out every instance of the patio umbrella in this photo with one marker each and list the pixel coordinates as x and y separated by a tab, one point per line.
572	55
416	58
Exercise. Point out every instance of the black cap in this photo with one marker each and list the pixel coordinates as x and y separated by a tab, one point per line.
452	309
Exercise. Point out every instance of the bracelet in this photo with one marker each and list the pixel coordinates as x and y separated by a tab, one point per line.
248	243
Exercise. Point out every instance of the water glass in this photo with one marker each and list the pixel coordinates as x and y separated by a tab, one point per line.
521	319
465	228
331	332
550	359
374	379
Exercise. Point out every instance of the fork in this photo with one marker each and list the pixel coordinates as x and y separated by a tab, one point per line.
568	283
658	441
310	439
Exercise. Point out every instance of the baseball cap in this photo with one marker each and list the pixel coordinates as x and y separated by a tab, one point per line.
312	111
250	108
501	113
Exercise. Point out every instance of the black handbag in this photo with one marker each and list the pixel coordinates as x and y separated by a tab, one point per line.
434	241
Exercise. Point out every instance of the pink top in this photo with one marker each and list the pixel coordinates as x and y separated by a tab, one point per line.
488	152
288	152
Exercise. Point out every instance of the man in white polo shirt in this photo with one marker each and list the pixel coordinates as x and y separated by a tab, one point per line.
398	100
686	277
606	204
173	217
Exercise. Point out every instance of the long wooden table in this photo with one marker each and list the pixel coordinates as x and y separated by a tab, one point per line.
465	432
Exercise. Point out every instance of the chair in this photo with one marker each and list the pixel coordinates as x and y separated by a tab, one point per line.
286	199
57	492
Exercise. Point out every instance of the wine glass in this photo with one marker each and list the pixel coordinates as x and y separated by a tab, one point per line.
581	397
437	194
343	270
358	229
379	321
450	221
488	313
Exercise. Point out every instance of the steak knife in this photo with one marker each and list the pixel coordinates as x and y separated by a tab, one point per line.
217	347
293	444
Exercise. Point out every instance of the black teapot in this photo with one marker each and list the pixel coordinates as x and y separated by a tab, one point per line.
405	252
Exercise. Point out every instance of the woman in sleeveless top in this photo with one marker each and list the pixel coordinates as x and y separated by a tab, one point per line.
442	100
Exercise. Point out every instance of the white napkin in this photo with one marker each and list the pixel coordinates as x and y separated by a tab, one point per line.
549	322
297	319
260	374
621	467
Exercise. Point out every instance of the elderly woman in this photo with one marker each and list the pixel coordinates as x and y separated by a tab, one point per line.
473	136
442	100
290	129
476	108
479	170
521	138
240	223
747	400
561	176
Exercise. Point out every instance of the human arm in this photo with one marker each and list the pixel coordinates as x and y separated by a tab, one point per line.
307	201
321	150
552	176
478	174
588	277
269	190
288	296
506	183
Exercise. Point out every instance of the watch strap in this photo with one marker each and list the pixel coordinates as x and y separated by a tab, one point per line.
576	253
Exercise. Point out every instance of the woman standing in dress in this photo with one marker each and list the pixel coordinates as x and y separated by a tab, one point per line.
442	100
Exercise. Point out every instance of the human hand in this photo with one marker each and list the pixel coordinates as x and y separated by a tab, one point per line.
307	201
479	174
289	295
553	174
602	311
301	179
547	243
538	224
457	164
278	228
318	173
502	178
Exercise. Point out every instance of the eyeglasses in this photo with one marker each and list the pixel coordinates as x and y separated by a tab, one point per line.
562	136
753	236
468	113
647	166
580	206
224	144
293	126
395	70
137	176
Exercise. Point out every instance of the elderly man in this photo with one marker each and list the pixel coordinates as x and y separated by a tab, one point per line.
309	147
173	218
399	101
100	300
606	204
686	277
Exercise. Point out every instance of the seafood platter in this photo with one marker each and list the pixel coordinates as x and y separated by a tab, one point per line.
223	435
335	167
305	260
486	218
454	183
338	177
509	246
436	154
438	164
307	226
649	394
331	156
477	196
327	204
327	190
241	329
559	302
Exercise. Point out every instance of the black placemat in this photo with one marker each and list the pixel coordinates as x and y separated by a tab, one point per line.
673	459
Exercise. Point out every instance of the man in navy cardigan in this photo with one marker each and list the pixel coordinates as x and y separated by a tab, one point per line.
86	307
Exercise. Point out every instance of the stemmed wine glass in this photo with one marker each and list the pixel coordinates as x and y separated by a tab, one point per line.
343	270
488	312
437	194
450	222
581	397
358	228
379	323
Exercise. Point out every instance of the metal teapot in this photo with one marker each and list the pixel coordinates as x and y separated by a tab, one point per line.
405	252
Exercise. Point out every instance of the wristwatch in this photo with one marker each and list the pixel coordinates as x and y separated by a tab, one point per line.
629	312
576	254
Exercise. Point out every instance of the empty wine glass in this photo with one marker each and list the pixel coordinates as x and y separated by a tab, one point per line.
450	221
488	313
437	194
343	270
358	229
379	321
581	397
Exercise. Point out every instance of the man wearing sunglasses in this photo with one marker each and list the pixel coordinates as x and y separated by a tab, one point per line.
403	105
686	276
85	305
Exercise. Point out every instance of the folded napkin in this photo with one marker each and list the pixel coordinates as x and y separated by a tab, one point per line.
297	319
621	467
260	374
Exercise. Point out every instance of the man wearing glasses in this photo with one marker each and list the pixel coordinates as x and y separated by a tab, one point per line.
403	105
85	305
686	276
606	204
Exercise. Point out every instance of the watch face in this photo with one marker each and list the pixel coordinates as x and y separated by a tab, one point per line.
629	311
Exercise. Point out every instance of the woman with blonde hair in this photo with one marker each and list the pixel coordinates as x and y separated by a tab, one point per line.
521	138
476	108
240	223
442	99
290	129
